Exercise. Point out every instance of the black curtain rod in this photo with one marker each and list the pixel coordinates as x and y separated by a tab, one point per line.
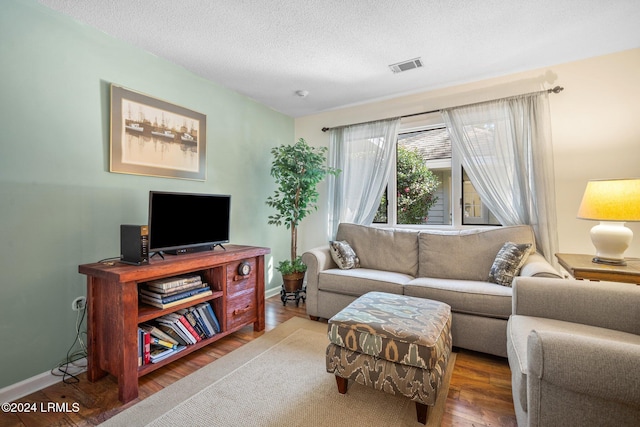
556	89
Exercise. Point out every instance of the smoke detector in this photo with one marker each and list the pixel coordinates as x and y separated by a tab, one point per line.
406	65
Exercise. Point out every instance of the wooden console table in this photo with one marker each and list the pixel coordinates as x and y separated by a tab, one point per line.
114	311
581	267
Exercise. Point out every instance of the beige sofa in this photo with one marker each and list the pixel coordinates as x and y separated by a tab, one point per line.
574	353
447	266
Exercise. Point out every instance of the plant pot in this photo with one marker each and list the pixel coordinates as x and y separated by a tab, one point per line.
293	281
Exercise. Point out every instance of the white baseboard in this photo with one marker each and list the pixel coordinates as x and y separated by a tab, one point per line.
31	385
272	292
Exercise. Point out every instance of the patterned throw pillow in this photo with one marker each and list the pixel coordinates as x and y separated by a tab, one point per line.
343	255
508	262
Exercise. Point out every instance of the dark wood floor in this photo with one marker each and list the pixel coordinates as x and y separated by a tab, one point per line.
479	394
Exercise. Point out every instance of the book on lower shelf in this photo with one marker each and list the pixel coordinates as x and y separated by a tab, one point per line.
211	315
159	353
157	332
162	343
204	318
170	321
195	323
144	347
173	332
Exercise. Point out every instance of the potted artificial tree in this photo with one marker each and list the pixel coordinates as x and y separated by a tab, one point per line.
297	170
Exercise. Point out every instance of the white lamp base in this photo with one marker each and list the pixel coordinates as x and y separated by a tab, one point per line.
611	239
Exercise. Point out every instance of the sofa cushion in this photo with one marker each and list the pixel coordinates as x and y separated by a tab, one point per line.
359	281
466	254
383	249
519	328
508	262
343	255
479	298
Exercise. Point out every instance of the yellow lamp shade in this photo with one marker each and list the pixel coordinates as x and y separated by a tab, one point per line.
611	200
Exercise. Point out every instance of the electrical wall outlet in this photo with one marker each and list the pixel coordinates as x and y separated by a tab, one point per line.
79	303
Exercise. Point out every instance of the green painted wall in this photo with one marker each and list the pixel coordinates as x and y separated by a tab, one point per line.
59	204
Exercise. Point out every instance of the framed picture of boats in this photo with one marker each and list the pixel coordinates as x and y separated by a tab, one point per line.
156	138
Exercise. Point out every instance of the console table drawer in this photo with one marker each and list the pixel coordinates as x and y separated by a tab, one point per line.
241	310
236	282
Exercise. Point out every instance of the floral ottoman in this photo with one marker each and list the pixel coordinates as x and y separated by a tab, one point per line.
394	343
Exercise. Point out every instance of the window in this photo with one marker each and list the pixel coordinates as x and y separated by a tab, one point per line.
474	212
421	190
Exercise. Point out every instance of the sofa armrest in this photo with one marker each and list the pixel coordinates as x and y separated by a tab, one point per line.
317	260
537	266
610	305
568	372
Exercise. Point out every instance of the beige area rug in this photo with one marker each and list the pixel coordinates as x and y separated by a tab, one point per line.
278	380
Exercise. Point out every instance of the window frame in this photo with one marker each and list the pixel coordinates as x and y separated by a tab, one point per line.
486	215
456	206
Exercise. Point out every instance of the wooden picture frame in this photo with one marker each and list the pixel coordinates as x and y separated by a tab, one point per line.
156	138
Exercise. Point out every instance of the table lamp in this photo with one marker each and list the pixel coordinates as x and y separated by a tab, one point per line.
612	202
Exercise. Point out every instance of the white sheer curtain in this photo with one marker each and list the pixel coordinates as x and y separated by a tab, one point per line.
364	154
505	148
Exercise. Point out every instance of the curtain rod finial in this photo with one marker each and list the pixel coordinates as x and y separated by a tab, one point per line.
556	89
325	129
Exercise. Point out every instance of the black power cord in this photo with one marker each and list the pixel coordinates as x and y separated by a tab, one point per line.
64	369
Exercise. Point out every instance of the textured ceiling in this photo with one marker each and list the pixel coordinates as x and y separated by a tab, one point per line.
339	51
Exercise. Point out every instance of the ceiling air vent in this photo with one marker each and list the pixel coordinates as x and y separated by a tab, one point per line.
406	65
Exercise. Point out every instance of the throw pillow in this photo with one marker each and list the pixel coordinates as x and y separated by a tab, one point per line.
343	254
510	259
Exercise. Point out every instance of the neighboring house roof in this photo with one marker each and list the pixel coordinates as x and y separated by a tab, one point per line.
431	145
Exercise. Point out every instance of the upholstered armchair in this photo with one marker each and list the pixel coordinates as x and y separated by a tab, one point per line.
574	352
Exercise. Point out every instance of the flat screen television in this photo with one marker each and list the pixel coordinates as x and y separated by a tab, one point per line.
183	222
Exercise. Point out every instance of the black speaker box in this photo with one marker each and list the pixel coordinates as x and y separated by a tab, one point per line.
134	244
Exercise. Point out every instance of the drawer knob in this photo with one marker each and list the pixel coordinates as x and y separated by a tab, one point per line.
244	268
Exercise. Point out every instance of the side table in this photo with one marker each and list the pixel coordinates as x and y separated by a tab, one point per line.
581	266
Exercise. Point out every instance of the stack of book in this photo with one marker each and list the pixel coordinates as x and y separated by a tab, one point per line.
155	345
172	291
171	333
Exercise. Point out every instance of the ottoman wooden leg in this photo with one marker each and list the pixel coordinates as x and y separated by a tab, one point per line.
342	384
422	411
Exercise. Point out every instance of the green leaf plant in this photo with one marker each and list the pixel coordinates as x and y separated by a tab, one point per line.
297	170
416	188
